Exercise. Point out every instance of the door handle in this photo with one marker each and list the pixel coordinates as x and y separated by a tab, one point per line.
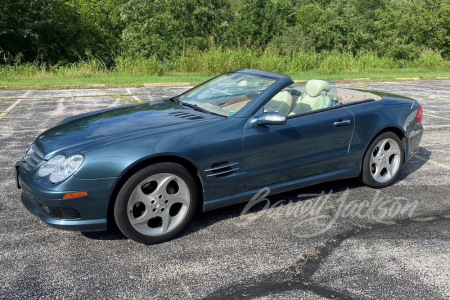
341	123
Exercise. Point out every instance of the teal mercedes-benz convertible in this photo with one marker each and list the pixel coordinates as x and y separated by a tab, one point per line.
149	167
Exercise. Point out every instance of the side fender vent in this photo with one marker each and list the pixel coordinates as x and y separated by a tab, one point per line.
222	169
187	116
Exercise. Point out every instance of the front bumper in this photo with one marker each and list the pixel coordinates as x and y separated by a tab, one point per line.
83	214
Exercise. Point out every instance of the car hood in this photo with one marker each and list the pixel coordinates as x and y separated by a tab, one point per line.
81	132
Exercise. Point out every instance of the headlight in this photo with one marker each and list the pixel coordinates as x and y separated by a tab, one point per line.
60	168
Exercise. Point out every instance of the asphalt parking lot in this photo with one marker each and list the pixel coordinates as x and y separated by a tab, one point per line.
337	240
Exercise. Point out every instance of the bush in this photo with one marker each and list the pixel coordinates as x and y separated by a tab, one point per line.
139	66
429	59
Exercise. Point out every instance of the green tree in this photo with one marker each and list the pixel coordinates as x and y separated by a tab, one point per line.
337	26
162	28
104	16
407	27
258	21
43	30
69	30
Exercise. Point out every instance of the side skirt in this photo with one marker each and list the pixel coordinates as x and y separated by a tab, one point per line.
282	187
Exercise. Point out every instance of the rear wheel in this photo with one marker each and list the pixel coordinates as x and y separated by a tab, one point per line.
383	161
156	203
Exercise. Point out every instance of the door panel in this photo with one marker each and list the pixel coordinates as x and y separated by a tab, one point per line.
307	145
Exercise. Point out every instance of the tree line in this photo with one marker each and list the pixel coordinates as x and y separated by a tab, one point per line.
63	31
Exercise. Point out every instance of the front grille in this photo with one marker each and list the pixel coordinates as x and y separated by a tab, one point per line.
31	158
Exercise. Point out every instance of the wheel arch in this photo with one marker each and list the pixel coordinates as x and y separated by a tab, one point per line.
394	129
401	135
368	180
146	162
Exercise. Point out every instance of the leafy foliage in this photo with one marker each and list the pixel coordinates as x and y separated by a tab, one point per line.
43	30
104	16
167	32
410	26
162	28
258	21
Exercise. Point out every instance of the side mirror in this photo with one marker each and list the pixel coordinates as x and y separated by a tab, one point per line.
271	118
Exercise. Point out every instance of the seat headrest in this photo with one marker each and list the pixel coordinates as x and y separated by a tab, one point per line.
315	87
284	97
243	83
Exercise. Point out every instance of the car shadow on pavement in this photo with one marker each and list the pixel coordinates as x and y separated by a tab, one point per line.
206	219
113	233
422	156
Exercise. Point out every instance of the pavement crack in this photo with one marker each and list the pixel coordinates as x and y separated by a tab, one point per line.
296	277
299	275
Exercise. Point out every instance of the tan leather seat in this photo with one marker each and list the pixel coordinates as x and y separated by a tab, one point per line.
314	98
281	102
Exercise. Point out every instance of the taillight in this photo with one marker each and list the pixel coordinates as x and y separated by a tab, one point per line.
419	116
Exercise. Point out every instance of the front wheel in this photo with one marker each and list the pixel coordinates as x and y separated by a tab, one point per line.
156	203
383	161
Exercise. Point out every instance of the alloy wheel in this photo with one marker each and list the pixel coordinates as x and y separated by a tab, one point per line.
158	204
385	160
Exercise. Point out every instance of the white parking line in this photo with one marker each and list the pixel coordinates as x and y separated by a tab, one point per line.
428	115
11	107
134	96
432	162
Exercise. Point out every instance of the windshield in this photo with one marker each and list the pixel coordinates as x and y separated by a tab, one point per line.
226	94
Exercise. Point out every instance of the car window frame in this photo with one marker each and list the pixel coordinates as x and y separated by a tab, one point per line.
240	112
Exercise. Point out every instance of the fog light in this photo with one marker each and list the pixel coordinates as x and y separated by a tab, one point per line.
46	209
61	212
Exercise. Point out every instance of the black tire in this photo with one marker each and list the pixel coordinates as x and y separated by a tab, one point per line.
369	167
122	214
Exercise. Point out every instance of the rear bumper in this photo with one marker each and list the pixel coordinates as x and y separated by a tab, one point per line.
415	136
83	214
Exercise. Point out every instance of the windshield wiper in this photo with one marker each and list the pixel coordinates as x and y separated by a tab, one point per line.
198	108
